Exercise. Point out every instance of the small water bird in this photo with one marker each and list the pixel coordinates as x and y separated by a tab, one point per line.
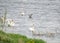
51	34
30	16
22	13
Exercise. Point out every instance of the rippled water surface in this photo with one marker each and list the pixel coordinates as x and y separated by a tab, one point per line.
46	17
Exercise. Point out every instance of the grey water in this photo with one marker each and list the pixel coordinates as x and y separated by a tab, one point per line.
46	17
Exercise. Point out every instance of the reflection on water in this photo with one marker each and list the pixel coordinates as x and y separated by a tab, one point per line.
46	16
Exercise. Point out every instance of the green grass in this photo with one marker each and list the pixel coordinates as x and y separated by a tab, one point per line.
16	38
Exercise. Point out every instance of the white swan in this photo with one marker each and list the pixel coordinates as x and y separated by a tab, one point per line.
10	22
32	29
34	32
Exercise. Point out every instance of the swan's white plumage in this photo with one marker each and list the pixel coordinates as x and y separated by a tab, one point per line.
10	22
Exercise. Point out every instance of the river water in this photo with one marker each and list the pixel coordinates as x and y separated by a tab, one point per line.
46	17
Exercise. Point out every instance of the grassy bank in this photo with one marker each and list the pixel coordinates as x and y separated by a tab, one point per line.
16	38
